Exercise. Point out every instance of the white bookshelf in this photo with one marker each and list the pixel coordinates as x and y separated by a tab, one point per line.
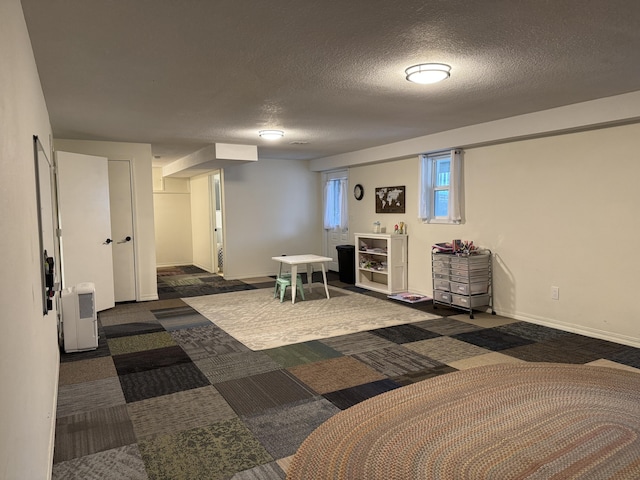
381	262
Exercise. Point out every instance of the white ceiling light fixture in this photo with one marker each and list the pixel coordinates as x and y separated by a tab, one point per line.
271	134
426	73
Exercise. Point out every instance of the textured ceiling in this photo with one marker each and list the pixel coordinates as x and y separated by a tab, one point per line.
181	74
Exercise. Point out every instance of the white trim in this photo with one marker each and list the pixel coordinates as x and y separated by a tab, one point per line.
573	328
54	409
149	297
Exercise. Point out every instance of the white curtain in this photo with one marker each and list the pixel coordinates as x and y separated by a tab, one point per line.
425	188
425	206
335	206
455	187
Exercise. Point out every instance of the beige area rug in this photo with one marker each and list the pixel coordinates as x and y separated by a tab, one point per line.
260	321
507	421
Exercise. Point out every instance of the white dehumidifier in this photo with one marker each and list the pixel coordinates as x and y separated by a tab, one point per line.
79	318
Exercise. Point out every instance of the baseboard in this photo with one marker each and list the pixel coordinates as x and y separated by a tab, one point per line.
573	328
148	298
54	408
181	264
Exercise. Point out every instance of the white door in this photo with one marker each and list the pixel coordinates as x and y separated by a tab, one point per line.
124	271
86	244
336	236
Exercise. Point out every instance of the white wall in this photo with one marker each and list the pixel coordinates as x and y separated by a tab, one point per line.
201	223
271	207
144	232
557	211
172	220
29	354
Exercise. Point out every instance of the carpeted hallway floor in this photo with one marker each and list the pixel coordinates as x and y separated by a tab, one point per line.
168	395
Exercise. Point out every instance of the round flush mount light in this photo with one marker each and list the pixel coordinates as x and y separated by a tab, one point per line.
428	73
271	134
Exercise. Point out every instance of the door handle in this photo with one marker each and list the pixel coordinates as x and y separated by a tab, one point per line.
127	239
107	241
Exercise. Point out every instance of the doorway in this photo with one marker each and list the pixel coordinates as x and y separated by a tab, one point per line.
217	244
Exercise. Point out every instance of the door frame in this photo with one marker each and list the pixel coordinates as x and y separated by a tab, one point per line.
134	225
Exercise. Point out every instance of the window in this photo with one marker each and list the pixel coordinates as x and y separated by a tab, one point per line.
441	187
335	206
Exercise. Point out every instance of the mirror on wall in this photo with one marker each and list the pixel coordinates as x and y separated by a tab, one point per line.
47	224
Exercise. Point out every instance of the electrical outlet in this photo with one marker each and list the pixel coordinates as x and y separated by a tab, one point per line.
555	293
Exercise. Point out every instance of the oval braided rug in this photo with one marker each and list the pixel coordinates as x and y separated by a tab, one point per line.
507	421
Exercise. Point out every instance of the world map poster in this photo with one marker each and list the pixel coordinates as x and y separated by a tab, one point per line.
390	200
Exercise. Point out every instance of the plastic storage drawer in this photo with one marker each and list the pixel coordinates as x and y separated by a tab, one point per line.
441	284
470	302
469	288
470	278
442	296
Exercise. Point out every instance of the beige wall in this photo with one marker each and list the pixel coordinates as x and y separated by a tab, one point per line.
271	207
172	219
29	354
556	211
144	232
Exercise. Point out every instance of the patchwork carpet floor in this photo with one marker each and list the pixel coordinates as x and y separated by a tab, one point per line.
170	395
260	321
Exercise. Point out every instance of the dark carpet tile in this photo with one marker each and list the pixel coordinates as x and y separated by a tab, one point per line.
283	429
192	269
396	360
492	339
136	328
555	350
626	355
230	366
211	279
357	343
404	333
348	397
171	312
206	341
213	452
206	289
531	331
182	317
414	377
121	463
88	396
603	348
263	285
137	362
300	353
167	414
268	471
161	381
165	293
446	326
101	351
428	307
91	432
260	392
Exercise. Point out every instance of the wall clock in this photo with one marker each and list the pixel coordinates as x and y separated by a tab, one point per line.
358	191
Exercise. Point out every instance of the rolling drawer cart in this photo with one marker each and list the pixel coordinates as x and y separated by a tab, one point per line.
463	281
